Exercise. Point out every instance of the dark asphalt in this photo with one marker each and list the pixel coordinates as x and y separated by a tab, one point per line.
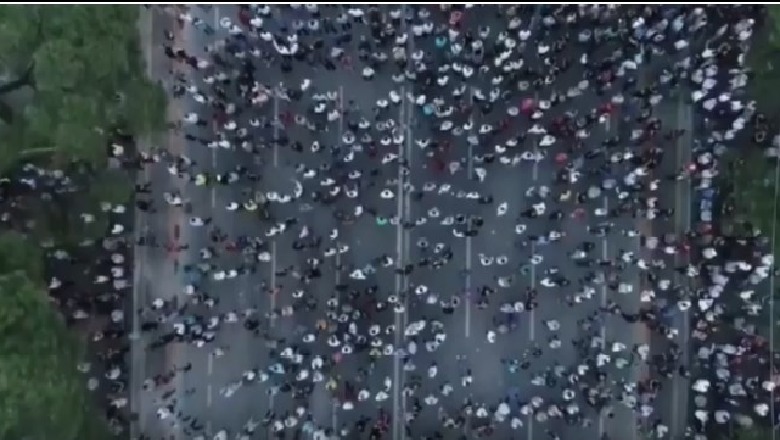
462	277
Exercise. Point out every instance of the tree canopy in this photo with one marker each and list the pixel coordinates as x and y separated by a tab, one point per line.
762	60
43	396
72	74
71	77
18	253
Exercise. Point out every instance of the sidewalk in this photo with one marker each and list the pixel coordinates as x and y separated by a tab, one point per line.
154	274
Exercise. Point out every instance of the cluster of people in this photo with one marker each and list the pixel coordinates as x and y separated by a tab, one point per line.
87	262
372	172
734	373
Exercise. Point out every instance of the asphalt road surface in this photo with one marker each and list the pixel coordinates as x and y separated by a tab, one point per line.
161	279
466	346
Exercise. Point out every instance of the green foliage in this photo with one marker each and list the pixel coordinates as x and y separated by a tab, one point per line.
42	395
74	72
755	433
18	253
763	61
754	190
60	219
108	187
70	76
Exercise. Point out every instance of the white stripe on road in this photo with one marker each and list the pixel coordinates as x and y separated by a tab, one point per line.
214	188
407	197
397	321
603	299
341	136
532	321
682	212
469	244
467	295
532	318
209	372
277	124
215	19
207	416
273	292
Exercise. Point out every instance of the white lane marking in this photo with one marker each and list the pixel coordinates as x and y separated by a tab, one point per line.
341	136
532	321
209	395
397	321
532	317
215	19
396	396
273	281
603	296
277	123
467	295
468	287
214	168
334	422
407	204
683	190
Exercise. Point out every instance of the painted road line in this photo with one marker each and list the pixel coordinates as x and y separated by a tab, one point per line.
341	136
603	293
532	318
334	417
682	222
397	431
532	334
469	245
531	323
398	423
469	250
467	295
407	216
214	168
277	127
273	292
209	391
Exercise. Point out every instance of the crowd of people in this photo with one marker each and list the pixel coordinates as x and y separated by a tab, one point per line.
475	91
87	255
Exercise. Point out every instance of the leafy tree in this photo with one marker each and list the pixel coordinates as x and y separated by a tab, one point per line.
754	433
73	74
42	395
18	253
754	180
108	187
60	216
762	60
